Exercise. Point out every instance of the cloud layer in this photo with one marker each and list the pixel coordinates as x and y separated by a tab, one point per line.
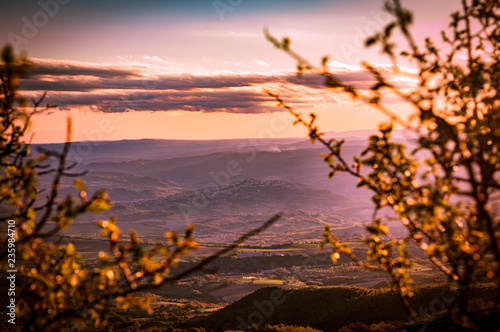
111	88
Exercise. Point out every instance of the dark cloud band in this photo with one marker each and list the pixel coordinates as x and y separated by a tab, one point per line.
115	89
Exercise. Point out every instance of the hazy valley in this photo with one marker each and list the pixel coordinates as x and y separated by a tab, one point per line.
226	188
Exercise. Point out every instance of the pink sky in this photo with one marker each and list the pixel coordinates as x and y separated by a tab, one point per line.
199	73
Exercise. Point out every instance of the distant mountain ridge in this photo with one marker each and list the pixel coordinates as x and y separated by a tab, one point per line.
224	187
127	150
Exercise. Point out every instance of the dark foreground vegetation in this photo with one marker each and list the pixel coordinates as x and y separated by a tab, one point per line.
314	309
331	308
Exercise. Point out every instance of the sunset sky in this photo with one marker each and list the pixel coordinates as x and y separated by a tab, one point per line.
197	69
